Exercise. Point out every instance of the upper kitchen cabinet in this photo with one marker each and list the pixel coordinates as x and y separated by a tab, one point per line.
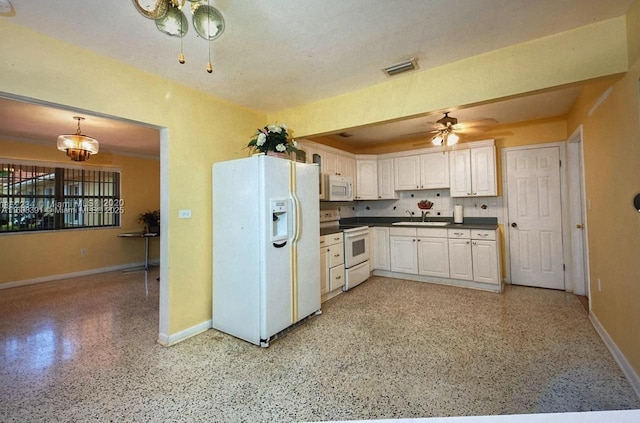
366	179
426	171
473	172
386	188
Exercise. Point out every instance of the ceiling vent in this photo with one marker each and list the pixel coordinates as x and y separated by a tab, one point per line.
409	65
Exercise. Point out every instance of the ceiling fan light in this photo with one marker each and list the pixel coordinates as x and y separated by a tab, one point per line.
452	139
437	140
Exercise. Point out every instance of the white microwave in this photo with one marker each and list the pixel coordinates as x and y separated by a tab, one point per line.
337	188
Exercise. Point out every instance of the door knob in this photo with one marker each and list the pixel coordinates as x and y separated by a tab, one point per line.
514	225
580	226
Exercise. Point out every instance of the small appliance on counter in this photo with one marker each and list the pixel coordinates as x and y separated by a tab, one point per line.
458	214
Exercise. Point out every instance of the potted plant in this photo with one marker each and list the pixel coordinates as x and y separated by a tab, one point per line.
273	140
151	221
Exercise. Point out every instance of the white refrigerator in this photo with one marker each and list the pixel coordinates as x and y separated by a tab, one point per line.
266	235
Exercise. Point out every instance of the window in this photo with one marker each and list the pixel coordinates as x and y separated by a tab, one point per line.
36	198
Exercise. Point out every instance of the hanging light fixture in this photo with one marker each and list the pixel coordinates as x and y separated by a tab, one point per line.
171	20
445	136
78	147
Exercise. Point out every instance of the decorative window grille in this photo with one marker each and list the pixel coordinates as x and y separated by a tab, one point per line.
40	198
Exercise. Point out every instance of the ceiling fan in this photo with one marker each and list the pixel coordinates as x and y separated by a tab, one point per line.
446	129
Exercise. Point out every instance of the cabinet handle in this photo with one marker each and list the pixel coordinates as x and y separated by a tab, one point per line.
338	277
469	193
418	239
336	255
417	186
413	240
458	233
482	234
336	239
467	242
379	196
474	193
475	243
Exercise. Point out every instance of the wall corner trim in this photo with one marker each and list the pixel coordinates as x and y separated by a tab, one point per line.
626	368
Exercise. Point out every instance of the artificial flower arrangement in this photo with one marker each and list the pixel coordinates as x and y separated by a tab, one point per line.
151	219
273	138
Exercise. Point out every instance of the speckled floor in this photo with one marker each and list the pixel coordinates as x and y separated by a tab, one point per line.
84	349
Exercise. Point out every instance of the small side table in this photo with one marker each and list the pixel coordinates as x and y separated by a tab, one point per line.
146	237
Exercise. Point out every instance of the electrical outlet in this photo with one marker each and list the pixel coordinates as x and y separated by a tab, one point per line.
184	214
599	285
83	251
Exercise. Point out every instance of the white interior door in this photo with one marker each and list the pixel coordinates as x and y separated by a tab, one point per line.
535	217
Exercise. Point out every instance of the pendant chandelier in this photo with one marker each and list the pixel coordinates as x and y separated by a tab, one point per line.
78	147
171	20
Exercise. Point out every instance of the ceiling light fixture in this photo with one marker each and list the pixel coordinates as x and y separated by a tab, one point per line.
6	7
445	136
409	65
78	147
207	20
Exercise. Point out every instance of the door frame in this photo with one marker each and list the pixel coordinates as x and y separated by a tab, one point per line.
564	206
578	168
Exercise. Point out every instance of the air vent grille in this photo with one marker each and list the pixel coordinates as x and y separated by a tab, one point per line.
409	65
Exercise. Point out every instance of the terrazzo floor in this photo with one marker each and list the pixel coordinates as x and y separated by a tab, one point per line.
84	349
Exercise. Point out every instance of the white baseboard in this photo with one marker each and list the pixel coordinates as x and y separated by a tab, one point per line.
626	368
169	340
70	275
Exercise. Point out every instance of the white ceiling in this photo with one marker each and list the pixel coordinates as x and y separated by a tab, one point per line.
279	54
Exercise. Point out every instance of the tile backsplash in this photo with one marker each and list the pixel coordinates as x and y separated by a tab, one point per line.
443	205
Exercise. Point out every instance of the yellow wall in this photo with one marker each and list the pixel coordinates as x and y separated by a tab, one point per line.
58	252
588	52
612	177
201	130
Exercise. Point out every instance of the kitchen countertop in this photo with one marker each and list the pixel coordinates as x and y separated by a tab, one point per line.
486	223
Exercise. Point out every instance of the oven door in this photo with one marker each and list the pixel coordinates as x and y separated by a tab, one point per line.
356	246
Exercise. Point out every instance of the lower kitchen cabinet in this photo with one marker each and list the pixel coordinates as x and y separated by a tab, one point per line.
404	256
332	276
433	257
460	261
381	258
446	255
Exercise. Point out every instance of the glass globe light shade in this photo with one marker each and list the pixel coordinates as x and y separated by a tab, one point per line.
208	22
173	23
452	139
437	140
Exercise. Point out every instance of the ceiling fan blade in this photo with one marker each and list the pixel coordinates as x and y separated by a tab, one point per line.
469	131
475	123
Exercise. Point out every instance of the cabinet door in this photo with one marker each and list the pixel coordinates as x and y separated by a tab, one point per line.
386	188
460	173
367	180
485	261
433	257
434	170
324	270
380	250
329	162
460	261
345	166
404	257
407	173
483	171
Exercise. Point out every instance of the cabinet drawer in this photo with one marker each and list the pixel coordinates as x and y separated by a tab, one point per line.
483	234
336	255
336	277
459	233
432	233
402	231
331	239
